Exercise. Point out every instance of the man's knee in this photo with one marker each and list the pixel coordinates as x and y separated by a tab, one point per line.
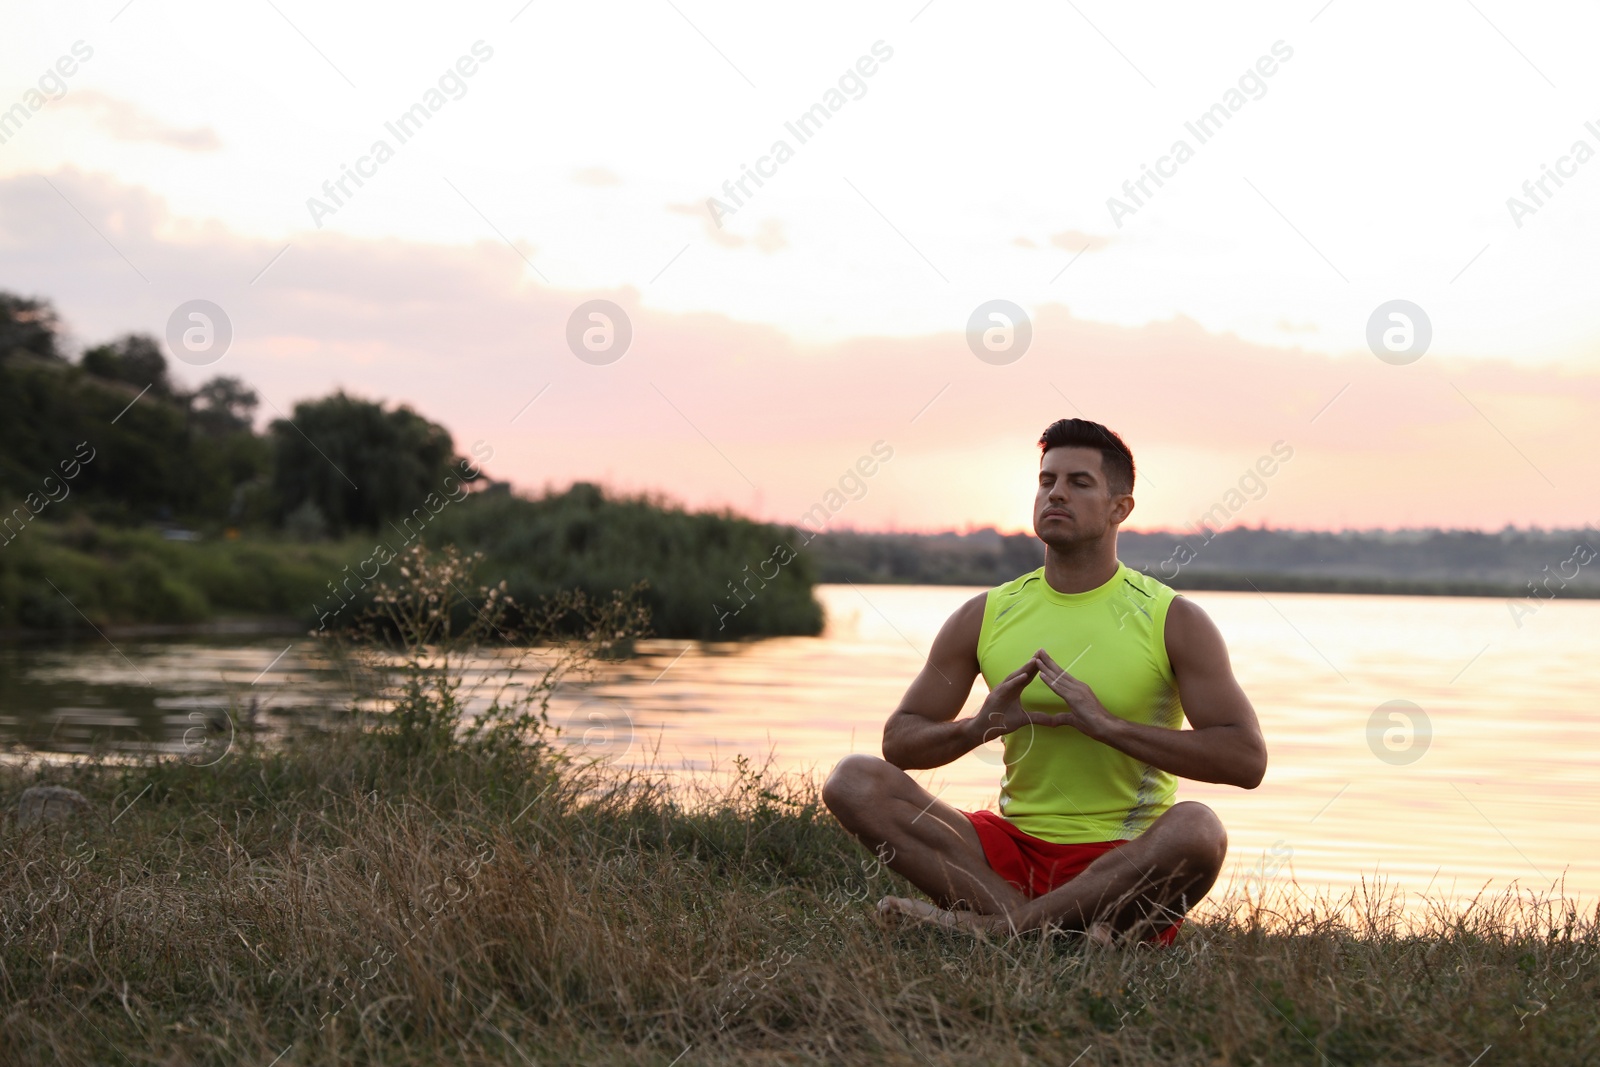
1198	834
858	783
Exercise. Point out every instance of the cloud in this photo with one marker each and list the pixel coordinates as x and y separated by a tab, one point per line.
718	236
126	121
703	407
769	236
596	177
1023	242
1078	241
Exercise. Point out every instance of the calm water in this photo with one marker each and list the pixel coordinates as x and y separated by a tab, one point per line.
1501	785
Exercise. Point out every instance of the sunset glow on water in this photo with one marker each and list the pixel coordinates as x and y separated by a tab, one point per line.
1504	789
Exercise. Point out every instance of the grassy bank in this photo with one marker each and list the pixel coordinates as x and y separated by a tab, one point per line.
334	903
63	576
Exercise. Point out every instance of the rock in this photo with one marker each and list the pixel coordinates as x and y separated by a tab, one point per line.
50	803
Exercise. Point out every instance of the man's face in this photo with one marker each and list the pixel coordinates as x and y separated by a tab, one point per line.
1074	504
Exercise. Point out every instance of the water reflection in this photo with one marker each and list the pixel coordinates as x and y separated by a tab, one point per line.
177	696
1512	738
1504	786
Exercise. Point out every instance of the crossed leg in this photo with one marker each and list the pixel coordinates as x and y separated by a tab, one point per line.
1131	891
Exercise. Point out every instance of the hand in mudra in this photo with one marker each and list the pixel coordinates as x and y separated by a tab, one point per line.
1084	710
1002	711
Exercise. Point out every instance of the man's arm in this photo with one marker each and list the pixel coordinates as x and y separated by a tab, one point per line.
1225	744
923	730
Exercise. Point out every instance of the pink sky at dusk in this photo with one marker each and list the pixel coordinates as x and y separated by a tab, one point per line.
716	412
991	154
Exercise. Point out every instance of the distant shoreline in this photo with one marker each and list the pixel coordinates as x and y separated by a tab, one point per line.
1524	567
1232	582
1202	582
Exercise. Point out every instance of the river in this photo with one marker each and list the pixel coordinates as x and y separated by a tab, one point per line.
1359	785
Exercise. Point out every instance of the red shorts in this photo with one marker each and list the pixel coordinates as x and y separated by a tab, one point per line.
1036	866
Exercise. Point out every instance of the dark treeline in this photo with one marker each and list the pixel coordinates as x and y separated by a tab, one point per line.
147	450
1512	562
126	498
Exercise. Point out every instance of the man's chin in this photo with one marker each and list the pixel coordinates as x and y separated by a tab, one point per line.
1062	534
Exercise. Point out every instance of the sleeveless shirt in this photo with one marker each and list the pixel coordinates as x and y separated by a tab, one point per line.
1060	785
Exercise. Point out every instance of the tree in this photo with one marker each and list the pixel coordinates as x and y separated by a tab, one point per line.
28	324
144	457
225	405
361	464
134	358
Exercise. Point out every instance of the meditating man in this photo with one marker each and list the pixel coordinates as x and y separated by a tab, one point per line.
1092	667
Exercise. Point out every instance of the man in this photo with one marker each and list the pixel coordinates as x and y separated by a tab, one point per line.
1091	667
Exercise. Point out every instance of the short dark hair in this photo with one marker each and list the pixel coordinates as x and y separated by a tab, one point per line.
1116	458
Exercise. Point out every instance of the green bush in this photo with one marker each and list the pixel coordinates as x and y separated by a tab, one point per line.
710	575
119	576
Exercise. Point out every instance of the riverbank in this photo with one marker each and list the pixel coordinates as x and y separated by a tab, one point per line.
706	576
436	879
72	576
341	898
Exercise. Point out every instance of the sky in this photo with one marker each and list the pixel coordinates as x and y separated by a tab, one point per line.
1199	224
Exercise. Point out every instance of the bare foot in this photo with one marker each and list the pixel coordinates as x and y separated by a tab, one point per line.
1100	934
900	911
897	911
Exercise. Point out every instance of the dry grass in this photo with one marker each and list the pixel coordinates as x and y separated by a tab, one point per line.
334	901
358	897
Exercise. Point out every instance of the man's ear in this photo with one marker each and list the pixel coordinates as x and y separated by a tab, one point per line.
1122	509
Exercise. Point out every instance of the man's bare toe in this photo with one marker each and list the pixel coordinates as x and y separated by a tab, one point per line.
1100	934
893	911
900	911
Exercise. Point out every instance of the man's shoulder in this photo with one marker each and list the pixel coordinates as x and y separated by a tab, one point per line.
1150	586
979	607
1017	584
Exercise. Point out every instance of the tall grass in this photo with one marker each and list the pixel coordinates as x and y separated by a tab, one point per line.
414	894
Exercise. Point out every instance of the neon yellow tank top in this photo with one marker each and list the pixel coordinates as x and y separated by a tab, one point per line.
1060	785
